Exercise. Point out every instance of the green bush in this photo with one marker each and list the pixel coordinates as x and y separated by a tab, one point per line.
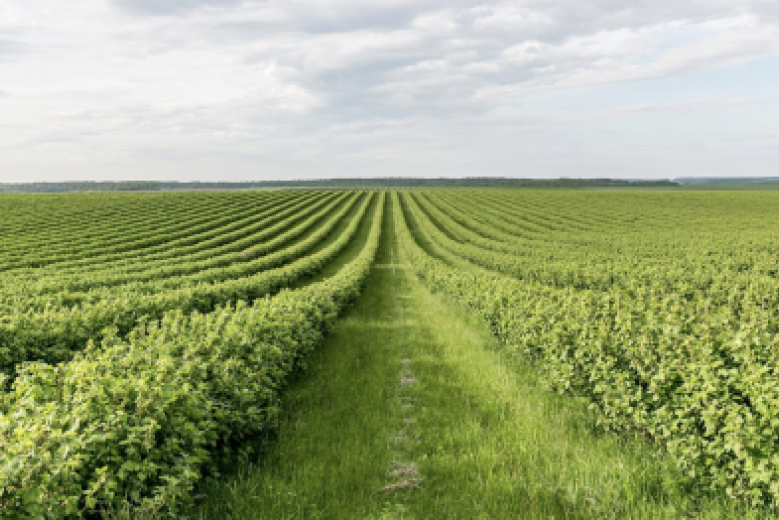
137	421
701	379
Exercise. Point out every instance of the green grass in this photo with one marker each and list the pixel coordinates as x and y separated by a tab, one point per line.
409	390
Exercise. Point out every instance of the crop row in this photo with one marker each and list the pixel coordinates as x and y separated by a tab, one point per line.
55	334
251	242
140	420
708	279
217	228
41	217
667	227
131	238
612	242
284	247
697	378
103	230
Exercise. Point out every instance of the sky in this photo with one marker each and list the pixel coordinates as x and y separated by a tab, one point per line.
237	90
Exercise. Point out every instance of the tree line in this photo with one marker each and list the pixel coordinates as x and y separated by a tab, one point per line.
394	182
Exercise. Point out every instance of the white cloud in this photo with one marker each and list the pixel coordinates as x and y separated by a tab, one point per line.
148	82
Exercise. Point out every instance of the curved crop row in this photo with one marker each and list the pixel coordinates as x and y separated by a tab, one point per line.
265	236
128	240
702	280
93	236
701	381
264	255
55	335
106	229
43	216
197	241
140	420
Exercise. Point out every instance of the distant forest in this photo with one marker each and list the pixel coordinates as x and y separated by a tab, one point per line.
64	187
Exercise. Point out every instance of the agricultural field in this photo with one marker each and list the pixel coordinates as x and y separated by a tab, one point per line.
420	353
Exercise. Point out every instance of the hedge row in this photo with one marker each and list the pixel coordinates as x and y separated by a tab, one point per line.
269	235
119	233
221	227
701	380
54	335
140	420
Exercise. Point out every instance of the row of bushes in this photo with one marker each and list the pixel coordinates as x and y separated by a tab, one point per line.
55	334
140	420
223	226
268	235
697	378
704	278
99	232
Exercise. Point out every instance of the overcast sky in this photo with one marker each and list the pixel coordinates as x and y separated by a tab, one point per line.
287	89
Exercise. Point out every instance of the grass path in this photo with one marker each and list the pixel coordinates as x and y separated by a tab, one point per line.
333	448
409	410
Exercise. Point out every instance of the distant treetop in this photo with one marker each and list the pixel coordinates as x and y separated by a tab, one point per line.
397	182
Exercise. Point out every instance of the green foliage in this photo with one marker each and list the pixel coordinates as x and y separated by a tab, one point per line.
692	366
54	334
139	420
140	337
150	239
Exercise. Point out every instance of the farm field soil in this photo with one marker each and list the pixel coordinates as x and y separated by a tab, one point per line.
410	410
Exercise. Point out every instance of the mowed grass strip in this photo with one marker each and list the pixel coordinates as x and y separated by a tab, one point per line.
486	441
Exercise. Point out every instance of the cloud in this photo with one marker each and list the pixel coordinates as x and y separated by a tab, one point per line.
9	48
416	51
346	79
171	7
